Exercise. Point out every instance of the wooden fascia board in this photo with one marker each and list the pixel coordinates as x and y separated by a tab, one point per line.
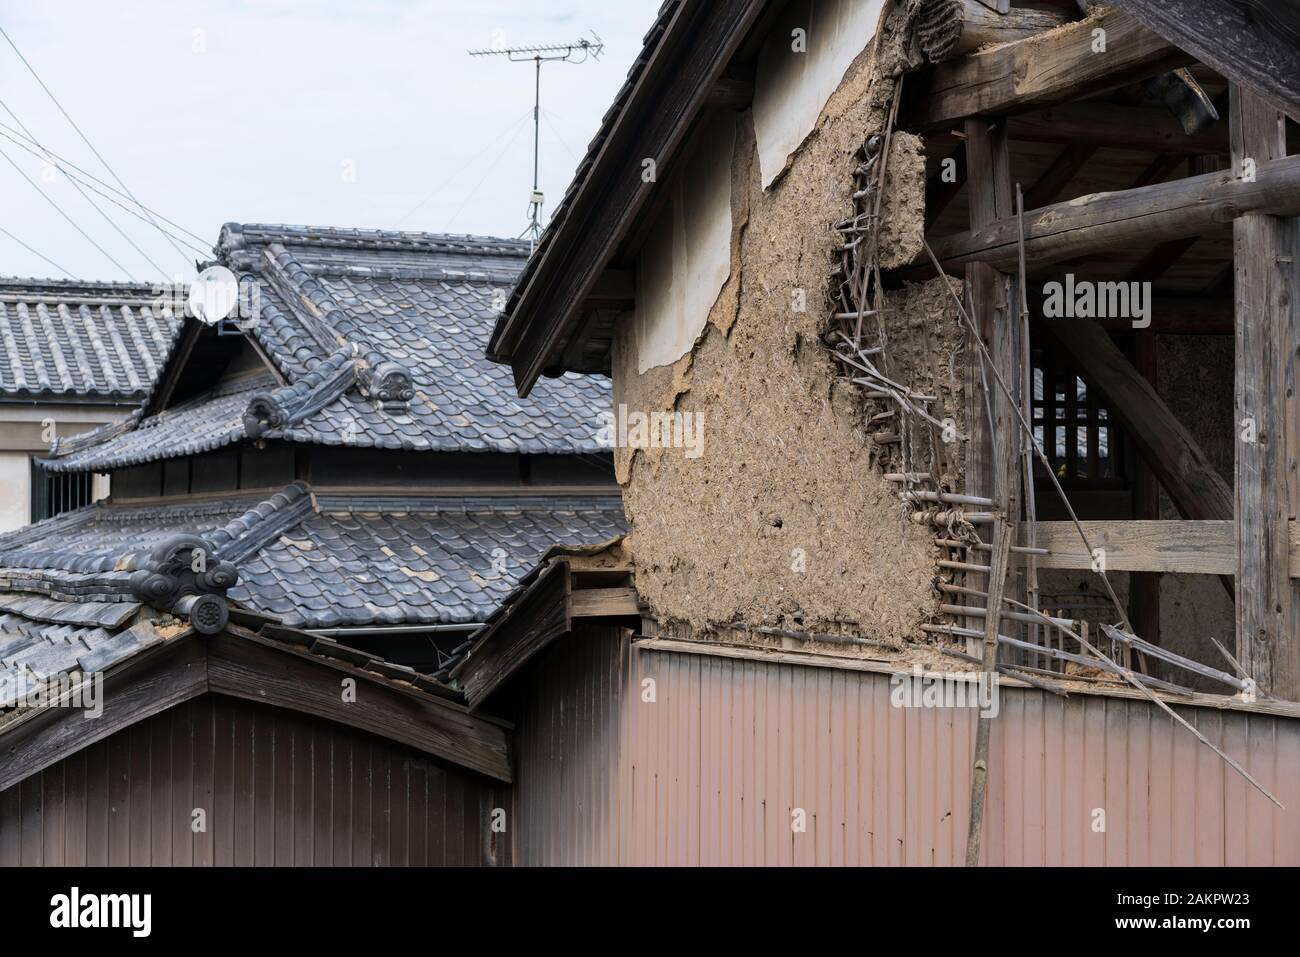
243	665
541	615
145	685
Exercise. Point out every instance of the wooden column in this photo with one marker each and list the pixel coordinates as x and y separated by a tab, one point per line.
992	452
990	197
1266	639
1144	587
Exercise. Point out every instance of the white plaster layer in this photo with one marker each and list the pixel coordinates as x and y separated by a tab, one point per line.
792	87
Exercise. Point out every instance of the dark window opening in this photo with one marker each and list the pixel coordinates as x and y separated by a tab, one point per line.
1086	448
55	493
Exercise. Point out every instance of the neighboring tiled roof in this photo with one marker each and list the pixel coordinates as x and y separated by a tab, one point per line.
336	562
42	639
77	340
190	428
404	561
393	328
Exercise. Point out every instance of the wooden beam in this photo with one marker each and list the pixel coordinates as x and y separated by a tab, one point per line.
1264	297
540	616
1173	547
615	289
147	684
989	199
619	602
244	665
1104	222
731	93
948	29
1065	64
1116	127
1144	586
1164	442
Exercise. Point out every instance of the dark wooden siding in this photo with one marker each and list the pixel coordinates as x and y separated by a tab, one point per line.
570	718
278	787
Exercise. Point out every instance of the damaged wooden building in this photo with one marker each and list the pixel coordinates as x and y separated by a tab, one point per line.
988	317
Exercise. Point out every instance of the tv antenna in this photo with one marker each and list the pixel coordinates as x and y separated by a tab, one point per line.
577	52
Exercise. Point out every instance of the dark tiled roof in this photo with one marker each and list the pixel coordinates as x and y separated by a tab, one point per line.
193	427
337	562
74	340
380	336
41	641
405	561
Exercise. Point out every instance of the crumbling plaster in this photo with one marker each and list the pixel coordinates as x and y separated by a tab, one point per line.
785	517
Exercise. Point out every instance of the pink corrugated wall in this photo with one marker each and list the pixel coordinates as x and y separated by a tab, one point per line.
710	772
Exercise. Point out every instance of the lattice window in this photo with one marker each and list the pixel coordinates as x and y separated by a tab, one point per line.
1071	421
56	493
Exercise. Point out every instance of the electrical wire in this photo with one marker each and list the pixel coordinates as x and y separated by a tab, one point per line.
59	209
85	140
127	209
36	254
162	272
466	165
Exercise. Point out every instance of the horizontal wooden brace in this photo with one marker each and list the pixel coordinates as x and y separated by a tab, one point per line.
1176	547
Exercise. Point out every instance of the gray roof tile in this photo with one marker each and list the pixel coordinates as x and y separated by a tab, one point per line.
340	309
100	341
316	563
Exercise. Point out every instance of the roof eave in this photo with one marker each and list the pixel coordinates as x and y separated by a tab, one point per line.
690	55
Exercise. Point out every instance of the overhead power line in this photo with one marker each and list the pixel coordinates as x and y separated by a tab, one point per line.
17	138
126	209
90	145
162	272
36	254
59	209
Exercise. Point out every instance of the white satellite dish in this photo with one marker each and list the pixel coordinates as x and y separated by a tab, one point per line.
214	296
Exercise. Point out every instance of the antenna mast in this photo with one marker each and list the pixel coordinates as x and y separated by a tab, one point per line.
577	52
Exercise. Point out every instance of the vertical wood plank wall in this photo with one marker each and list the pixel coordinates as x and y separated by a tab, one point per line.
711	772
279	788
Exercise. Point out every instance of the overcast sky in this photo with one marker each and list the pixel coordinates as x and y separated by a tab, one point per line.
365	113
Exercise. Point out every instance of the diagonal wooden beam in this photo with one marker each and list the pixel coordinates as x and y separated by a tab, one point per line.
1161	439
1063	64
1058	176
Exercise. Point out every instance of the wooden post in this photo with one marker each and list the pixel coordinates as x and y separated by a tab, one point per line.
1144	587
1266	640
988	165
992	453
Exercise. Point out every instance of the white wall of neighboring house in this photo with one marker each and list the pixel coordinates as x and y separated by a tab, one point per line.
23	431
791	87
15	490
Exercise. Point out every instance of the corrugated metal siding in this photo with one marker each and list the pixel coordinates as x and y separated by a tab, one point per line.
279	788
711	771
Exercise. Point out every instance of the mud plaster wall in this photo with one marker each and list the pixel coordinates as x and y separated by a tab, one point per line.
783	519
